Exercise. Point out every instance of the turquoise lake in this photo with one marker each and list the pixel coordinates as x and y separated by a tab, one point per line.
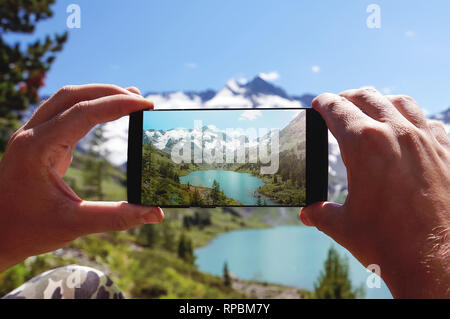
238	186
287	255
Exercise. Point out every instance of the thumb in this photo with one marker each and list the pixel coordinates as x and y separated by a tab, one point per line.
326	216
99	217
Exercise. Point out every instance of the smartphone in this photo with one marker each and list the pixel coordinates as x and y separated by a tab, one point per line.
227	157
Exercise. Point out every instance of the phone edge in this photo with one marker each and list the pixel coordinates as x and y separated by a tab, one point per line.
316	133
134	158
316	158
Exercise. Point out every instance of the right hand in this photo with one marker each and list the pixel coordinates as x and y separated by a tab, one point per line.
397	212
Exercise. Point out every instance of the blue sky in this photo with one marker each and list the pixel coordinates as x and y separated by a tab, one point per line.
313	46
233	119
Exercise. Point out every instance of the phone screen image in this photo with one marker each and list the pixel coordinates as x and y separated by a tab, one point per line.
208	158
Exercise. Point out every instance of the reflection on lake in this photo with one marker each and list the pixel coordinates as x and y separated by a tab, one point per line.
287	255
241	187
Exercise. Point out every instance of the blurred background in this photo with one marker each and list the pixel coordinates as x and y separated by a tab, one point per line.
216	54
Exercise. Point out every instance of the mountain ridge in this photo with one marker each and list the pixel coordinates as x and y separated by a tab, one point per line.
256	93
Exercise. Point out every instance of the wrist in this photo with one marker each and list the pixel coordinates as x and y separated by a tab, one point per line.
420	271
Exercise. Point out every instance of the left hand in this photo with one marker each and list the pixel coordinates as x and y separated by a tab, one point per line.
39	212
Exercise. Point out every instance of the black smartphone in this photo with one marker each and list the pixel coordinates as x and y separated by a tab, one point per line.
227	157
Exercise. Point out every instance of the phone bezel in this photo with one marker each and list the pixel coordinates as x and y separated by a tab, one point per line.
316	156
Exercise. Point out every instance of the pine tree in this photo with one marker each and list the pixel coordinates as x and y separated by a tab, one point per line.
226	275
149	157
185	249
148	235
22	71
334	281
196	198
215	193
168	232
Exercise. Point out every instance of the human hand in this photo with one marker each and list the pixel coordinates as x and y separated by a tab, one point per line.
397	212
39	212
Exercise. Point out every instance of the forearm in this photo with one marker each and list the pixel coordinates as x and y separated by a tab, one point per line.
424	275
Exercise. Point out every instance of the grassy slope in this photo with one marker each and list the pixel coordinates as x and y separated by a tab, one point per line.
141	272
114	185
150	272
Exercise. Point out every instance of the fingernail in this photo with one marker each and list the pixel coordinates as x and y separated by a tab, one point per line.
303	217
152	216
150	108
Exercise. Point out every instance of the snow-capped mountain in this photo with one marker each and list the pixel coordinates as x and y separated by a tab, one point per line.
209	139
444	117
257	93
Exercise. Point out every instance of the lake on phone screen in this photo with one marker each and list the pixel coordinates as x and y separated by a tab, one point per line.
239	186
287	255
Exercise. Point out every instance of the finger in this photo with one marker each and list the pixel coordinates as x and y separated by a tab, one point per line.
373	103
340	114
438	131
134	90
99	217
71	125
326	216
69	95
409	108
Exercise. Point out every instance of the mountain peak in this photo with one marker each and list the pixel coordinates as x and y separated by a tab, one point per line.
234	86
261	86
443	116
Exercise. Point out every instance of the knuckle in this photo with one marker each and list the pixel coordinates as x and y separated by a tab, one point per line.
404	99
115	87
22	138
436	124
332	104
410	136
374	132
13	136
66	90
375	138
365	92
119	222
23	142
324	99
408	132
121	108
83	108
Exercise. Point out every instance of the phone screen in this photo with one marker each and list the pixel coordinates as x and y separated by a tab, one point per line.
205	158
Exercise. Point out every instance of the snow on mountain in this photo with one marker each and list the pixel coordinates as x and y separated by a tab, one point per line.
210	136
175	100
231	96
444	117
256	93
